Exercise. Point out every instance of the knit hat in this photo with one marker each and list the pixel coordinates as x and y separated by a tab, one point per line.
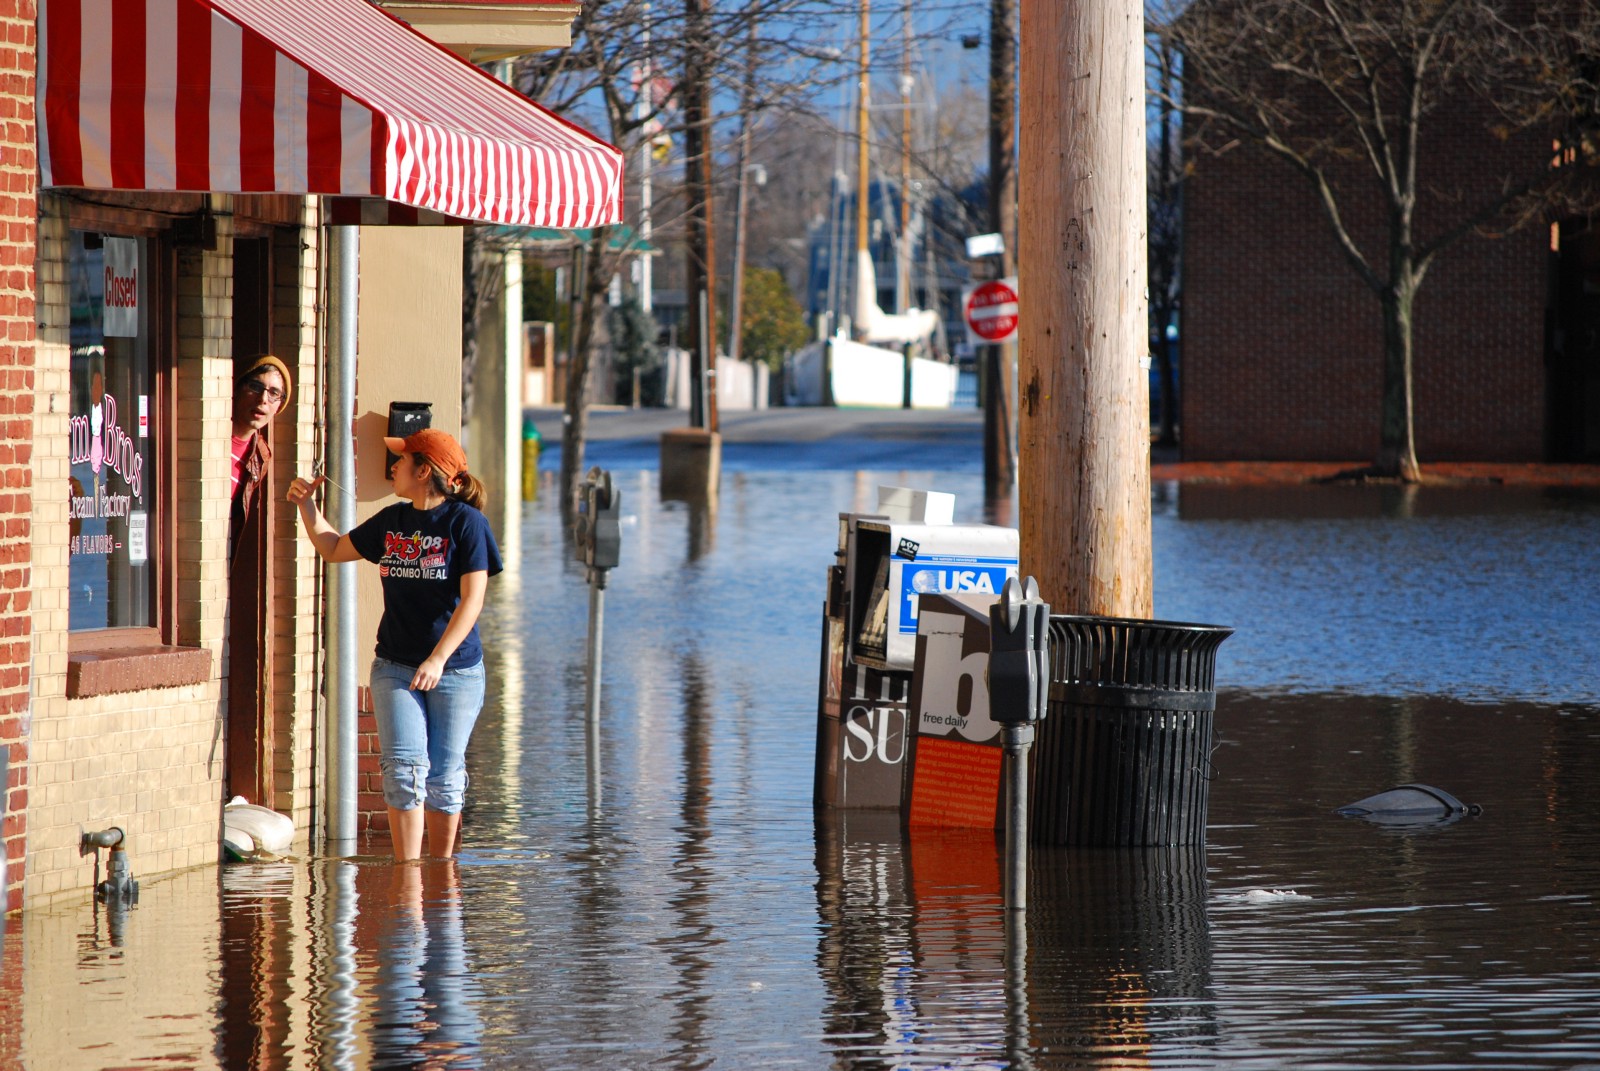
437	447
265	362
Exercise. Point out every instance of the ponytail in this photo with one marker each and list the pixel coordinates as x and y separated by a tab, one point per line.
468	488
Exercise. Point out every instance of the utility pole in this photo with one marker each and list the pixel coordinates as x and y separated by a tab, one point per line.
742	210
647	106
691	457
1084	403
702	272
999	362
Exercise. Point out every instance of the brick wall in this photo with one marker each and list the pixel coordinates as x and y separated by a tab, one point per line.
18	210
153	762
1282	352
297	629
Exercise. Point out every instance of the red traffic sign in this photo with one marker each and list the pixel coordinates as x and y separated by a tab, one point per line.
991	311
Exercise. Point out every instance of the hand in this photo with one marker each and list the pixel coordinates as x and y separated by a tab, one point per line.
428	674
300	491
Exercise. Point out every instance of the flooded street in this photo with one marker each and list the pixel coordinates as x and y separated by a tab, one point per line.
682	906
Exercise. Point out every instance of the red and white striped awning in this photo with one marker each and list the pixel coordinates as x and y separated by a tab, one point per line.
330	97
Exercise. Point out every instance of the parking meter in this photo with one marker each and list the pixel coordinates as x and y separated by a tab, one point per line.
1019	657
597	531
1019	686
597	539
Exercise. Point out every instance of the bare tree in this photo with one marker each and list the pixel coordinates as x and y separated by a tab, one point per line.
1345	92
628	63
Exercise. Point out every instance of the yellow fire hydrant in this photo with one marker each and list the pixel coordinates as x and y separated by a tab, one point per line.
530	460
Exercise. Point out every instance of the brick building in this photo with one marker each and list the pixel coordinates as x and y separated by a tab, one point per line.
1282	343
132	693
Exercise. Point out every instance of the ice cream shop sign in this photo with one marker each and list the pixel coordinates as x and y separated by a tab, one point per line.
100	442
109	442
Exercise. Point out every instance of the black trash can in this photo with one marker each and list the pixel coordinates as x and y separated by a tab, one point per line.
1124	755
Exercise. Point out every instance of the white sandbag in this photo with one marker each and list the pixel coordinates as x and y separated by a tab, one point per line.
236	843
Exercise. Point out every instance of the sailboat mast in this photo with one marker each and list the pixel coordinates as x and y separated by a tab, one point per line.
864	98
903	262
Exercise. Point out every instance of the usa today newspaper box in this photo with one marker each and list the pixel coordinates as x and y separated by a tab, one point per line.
884	564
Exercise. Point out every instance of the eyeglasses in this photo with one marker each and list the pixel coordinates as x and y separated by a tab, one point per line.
271	394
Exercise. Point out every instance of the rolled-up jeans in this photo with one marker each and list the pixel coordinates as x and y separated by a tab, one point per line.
424	734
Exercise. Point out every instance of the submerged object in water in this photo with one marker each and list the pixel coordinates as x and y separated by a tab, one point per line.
1410	805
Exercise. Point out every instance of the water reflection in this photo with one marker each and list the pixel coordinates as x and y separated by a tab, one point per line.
698	913
863	952
258	923
1121	964
410	943
1348	589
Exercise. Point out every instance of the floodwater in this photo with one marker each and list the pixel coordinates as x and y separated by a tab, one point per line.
677	903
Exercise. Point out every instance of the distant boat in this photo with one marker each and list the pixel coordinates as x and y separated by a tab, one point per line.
847	373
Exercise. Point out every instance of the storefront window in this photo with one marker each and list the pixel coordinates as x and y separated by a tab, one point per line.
111	453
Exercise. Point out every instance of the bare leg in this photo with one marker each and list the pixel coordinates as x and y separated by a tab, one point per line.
405	832
441	833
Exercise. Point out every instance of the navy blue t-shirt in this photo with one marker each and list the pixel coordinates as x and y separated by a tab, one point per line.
421	557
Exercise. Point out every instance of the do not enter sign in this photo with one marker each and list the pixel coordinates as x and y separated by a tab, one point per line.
991	312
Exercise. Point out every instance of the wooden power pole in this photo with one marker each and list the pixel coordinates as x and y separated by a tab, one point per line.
701	322
1083	406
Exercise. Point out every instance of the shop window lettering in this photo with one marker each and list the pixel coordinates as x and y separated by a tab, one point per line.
122	291
112	431
97	438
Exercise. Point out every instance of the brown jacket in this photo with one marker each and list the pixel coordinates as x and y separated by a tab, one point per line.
247	515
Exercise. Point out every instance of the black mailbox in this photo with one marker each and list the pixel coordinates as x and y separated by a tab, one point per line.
405	420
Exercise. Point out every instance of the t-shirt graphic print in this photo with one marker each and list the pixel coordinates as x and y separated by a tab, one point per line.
421	557
415	556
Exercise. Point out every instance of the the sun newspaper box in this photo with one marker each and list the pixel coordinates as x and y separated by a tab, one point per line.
885	562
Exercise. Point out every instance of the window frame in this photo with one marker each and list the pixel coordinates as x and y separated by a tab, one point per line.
127	659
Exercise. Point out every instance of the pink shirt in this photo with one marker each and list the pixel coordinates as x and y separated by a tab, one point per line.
241	447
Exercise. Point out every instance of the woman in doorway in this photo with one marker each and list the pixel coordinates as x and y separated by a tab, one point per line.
435	554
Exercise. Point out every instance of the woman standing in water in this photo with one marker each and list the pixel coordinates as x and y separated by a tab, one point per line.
435	554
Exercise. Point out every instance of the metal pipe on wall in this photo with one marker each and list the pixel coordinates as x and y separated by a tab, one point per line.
340	664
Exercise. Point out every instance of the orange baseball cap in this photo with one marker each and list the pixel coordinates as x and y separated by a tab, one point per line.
438	448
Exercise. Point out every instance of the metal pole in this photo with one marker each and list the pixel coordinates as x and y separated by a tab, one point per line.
340	665
597	623
742	210
339	1000
1018	1052
702	386
647	103
597	627
1018	739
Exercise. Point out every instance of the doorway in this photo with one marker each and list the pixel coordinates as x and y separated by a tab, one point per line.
1572	345
250	702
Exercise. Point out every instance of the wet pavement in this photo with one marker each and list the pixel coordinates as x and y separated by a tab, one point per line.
678	904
